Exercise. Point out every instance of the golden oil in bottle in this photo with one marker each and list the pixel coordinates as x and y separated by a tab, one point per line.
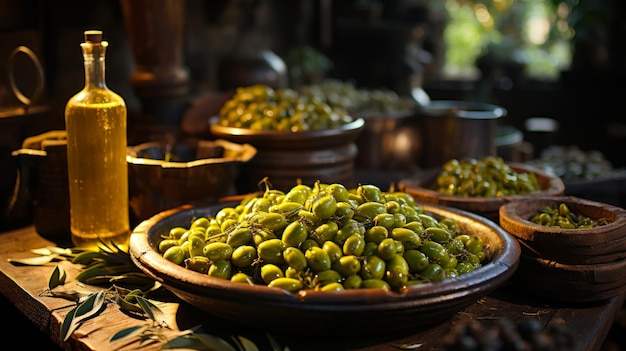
95	120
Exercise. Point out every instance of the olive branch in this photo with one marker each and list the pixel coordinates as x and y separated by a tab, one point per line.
129	288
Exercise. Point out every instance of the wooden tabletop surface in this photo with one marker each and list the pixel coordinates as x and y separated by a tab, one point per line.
22	286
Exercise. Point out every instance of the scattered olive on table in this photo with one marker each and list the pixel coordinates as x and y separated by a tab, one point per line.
325	237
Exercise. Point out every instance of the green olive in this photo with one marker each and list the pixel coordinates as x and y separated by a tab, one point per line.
294	234
407	237
353	282
217	251
387	249
241	277
324	207
325	232
354	245
239	236
221	269
317	259
243	256
270	272
333	250
397	273
373	267
416	260
271	251
347	265
375	284
376	234
289	284
294	257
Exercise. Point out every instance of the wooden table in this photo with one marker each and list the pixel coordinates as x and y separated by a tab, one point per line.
22	286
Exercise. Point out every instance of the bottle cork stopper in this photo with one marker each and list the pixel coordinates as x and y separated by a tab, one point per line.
93	36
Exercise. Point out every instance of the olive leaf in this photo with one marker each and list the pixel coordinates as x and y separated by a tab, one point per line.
198	341
245	343
32	261
52	250
57	278
407	346
150	309
86	309
128	333
71	295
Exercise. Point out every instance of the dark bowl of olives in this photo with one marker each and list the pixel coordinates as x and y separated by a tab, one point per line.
481	186
165	175
573	249
286	264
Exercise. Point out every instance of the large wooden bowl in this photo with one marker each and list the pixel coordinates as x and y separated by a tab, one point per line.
422	190
269	308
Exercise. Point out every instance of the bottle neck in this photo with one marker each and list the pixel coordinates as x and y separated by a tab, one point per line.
94	55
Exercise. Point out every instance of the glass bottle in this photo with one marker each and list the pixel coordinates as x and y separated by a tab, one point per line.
95	120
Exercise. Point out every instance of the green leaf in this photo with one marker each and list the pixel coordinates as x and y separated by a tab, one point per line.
274	344
150	309
86	309
86	257
32	261
247	344
71	295
199	342
103	270
128	333
57	278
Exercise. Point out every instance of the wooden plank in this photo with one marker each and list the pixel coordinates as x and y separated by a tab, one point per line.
22	286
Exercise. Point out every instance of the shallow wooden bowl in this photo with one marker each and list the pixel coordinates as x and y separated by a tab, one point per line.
603	244
422	190
261	306
278	140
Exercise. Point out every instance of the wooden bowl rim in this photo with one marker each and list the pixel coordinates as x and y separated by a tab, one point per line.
502	267
518	223
420	188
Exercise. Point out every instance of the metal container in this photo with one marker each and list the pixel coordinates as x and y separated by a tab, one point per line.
456	130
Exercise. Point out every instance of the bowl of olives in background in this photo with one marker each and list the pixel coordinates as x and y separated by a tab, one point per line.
326	256
482	185
573	249
298	137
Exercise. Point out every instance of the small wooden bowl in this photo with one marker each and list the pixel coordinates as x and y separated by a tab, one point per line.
422	191
603	244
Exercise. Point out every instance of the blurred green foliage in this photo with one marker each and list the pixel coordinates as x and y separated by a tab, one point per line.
533	33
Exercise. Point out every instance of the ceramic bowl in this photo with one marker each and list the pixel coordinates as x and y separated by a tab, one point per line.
421	189
578	265
276	309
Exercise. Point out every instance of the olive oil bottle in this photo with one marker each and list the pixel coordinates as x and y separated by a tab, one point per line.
95	120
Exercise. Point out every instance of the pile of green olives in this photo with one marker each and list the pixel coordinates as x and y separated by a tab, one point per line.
562	217
260	107
325	237
489	176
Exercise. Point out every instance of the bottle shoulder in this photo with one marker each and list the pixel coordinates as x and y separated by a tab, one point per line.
97	95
